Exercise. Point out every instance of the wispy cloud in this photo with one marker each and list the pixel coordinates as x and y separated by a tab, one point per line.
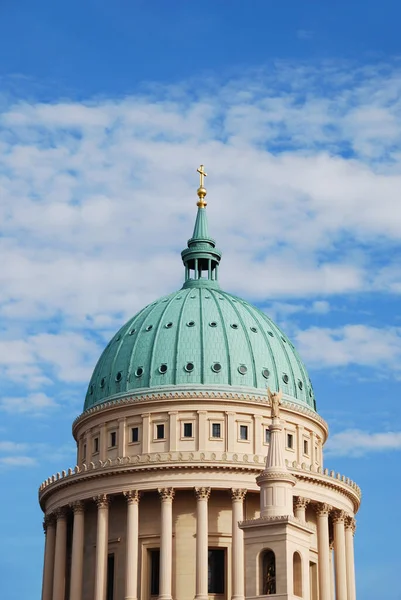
354	442
96	206
352	345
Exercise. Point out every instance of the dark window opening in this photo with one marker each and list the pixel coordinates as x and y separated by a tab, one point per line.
216	430
243	432
306	449
290	440
135	434
216	571
160	432
113	439
188	430
267	436
269	573
110	577
84	452
95	445
154	571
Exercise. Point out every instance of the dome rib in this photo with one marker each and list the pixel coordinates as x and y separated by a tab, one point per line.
133	323
202	356
250	349
216	301
178	336
156	336
265	337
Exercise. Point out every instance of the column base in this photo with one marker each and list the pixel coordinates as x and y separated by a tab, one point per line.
202	597
165	597
238	597
130	598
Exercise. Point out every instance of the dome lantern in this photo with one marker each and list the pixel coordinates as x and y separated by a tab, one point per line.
201	258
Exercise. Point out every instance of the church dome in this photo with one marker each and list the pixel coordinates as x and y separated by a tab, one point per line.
200	336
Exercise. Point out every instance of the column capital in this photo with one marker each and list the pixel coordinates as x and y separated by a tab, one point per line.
77	507
202	493
132	496
338	516
60	513
322	510
102	500
238	494
166	494
350	524
49	520
301	502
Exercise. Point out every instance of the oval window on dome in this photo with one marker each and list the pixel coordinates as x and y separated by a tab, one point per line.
178	297
149	327
119	376
192	297
300	384
284	340
254	329
207	297
118	338
266	373
243	369
189	367
310	392
91	390
234	325
285	378
163	369
139	372
190	323
220	298
169	325
270	333
102	382
132	331
216	367
213	324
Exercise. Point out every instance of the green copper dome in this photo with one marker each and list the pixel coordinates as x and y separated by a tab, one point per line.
200	337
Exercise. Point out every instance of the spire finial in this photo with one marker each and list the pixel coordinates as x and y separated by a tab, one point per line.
201	189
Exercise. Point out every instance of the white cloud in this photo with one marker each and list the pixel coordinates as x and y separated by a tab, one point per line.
17	461
98	198
31	403
351	345
354	442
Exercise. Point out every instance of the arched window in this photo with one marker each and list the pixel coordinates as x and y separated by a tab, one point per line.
268	564
297	574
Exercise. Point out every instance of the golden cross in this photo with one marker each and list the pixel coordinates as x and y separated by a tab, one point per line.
202	175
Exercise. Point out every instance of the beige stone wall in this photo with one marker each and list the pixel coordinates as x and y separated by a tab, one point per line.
304	436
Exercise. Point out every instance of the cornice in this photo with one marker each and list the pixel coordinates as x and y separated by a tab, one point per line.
222	461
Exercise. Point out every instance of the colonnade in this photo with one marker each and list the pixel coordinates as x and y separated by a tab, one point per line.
337	586
55	525
343	586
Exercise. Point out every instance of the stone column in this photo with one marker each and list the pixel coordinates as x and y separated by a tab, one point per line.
322	512
339	554
49	526
332	588
202	543
166	543
131	565
60	555
77	556
102	539
237	554
300	505
349	554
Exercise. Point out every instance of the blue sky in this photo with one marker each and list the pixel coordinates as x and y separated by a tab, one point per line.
106	110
